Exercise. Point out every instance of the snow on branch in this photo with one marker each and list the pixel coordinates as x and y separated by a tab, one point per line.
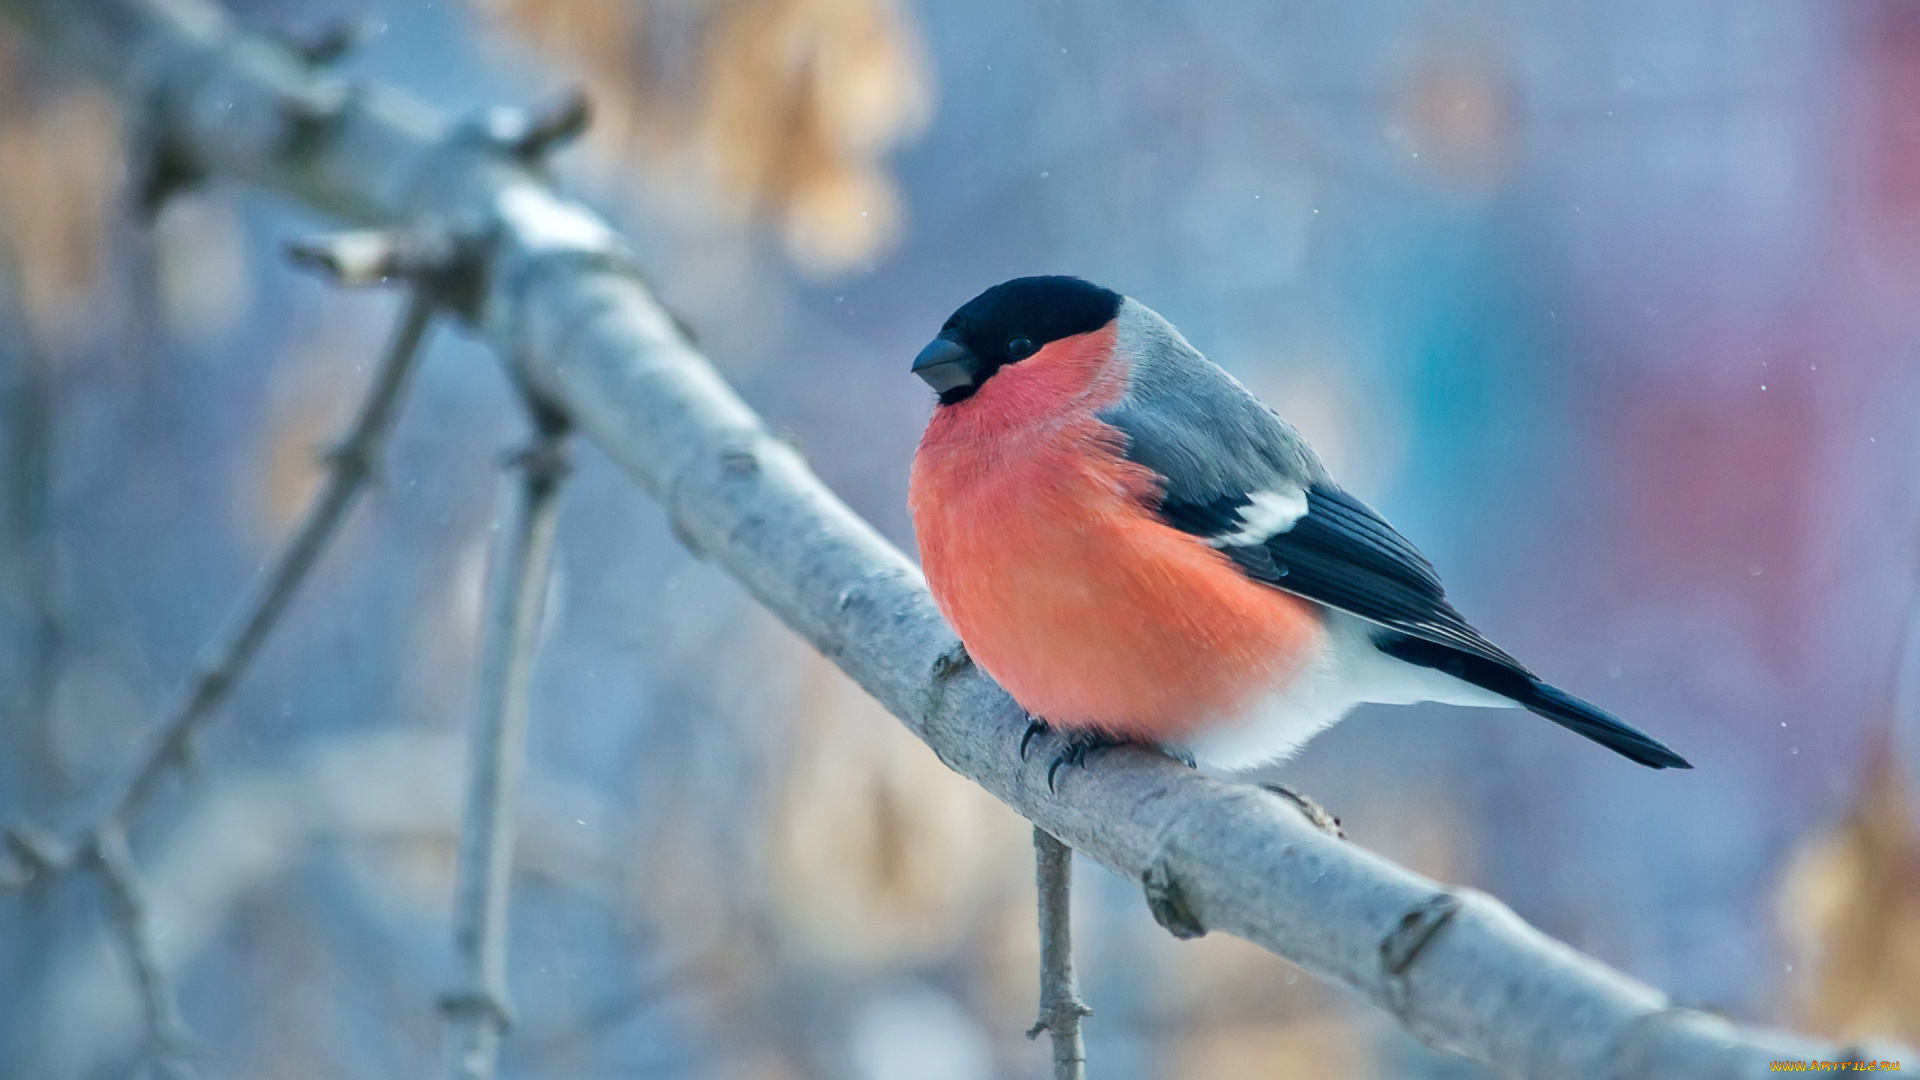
565	308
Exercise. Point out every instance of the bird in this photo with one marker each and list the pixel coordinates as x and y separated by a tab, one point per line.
1139	550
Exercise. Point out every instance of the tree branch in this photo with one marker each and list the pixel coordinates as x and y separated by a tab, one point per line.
478	1012
566	310
169	1046
1060	1006
350	465
39	853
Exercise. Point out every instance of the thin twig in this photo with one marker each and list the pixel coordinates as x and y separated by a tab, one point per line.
1060	1006
351	464
478	1012
169	1045
40	854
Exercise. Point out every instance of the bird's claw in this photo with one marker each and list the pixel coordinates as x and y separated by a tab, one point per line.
1074	752
1035	726
1077	745
1313	811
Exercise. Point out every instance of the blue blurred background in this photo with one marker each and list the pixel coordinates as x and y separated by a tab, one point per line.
1609	306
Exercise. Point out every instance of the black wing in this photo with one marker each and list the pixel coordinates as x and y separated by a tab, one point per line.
1342	554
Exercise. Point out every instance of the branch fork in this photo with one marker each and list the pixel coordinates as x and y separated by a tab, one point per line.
520	566
530	135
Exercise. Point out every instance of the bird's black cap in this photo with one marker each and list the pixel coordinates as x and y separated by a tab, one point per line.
1007	324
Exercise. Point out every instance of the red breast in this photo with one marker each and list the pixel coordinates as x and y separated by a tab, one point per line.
1041	547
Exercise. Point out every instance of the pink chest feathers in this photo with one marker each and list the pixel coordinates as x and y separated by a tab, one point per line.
1041	548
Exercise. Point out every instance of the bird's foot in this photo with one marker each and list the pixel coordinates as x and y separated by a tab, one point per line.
1074	751
1035	726
1077	745
1313	811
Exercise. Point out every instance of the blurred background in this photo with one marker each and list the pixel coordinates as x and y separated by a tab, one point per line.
1610	305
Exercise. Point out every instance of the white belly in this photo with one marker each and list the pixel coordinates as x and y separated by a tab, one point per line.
1350	672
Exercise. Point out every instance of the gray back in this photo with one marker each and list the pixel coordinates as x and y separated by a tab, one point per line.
1196	425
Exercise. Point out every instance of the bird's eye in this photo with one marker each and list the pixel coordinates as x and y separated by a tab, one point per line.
1019	348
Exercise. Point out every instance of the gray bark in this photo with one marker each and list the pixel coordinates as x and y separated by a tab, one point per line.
578	328
478	1012
1061	1009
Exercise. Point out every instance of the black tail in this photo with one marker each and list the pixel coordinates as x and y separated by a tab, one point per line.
1549	701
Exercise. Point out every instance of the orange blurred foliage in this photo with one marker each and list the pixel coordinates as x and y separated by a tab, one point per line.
1458	114
1850	903
61	165
878	854
787	116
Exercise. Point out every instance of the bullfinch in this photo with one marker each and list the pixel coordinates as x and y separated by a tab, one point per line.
1139	550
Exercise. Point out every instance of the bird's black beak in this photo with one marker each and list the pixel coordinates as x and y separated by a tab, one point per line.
946	365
